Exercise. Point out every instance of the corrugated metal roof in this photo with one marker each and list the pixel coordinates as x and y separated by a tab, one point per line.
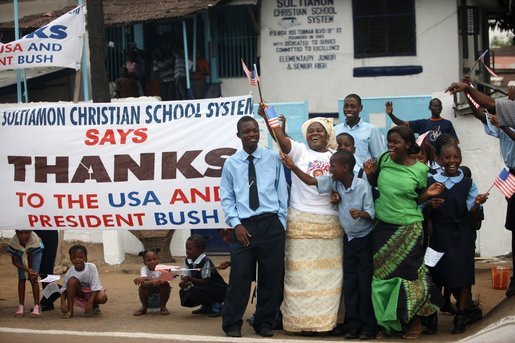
121	12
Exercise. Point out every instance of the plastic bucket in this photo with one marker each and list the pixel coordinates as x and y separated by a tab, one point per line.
500	277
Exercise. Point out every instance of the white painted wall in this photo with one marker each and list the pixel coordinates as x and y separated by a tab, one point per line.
438	52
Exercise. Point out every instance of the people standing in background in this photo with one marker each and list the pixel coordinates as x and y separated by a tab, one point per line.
180	75
368	139
202	71
126	85
436	124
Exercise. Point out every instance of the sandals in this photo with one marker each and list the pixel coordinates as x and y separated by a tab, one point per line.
66	315
411	335
20	311
139	312
36	312
164	311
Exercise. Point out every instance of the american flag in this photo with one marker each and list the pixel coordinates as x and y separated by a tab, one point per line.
506	183
273	119
482	58
252	76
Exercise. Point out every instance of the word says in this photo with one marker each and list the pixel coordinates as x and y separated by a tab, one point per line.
111	136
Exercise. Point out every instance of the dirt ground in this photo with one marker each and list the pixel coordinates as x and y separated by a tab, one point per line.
117	313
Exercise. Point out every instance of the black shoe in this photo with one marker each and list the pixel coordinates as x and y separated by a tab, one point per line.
277	324
473	314
352	334
449	308
236	332
511	289
264	331
459	324
367	335
339	330
431	324
204	309
47	306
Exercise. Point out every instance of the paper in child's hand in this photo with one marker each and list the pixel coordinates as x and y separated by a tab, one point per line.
432	257
161	267
51	278
166	276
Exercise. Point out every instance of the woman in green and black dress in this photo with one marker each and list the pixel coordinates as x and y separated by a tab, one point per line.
401	285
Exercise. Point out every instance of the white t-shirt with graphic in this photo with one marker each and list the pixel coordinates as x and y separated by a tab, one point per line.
303	197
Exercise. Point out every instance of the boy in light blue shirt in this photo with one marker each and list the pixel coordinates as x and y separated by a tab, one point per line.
356	212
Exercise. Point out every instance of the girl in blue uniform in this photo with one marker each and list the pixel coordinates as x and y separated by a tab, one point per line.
202	284
450	213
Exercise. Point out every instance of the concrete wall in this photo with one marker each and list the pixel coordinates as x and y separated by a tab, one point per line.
438	52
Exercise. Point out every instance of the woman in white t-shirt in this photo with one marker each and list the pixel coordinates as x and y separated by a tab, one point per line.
314	245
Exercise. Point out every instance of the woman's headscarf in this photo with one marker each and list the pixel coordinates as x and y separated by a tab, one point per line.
327	123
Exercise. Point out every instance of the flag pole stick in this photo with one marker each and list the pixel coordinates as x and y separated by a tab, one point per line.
475	63
488	191
266	122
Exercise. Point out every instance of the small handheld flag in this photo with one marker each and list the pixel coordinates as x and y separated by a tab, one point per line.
506	183
271	115
482	58
252	76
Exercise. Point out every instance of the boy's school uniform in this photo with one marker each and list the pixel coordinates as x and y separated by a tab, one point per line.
359	196
33	246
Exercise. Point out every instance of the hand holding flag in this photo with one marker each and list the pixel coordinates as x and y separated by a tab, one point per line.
272	118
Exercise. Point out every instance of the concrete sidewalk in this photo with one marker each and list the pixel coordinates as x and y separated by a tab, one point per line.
117	324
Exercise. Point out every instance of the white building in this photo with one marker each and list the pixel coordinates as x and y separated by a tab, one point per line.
318	51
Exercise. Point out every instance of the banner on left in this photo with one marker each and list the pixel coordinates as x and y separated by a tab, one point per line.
57	44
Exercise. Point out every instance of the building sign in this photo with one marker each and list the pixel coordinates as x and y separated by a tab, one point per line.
306	34
148	165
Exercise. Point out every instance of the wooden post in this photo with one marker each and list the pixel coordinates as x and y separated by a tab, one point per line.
76	87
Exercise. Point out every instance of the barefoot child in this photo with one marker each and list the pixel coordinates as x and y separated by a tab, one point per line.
356	211
204	285
81	285
153	291
26	250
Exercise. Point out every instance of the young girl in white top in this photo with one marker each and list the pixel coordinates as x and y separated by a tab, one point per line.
26	250
154	291
81	285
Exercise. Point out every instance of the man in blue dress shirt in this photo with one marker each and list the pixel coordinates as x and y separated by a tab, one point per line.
259	233
369	140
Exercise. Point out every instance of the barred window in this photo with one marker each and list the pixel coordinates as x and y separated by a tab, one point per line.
384	28
237	39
